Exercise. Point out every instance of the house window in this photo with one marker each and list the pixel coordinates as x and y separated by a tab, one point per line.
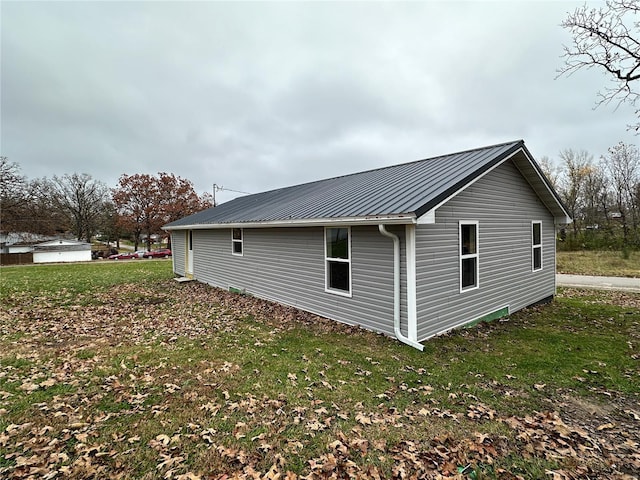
536	245
468	237
338	260
236	241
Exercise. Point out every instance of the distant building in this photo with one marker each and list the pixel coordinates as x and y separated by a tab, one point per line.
61	251
20	242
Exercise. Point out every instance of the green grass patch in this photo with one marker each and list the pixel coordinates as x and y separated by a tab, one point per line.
62	284
176	378
599	262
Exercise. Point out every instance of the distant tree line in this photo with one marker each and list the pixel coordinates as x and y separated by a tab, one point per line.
137	208
602	196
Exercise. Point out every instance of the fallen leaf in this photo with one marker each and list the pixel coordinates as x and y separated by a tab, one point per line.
605	426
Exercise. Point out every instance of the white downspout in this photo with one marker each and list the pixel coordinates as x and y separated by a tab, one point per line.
396	289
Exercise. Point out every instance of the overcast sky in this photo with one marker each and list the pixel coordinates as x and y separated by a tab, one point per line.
255	96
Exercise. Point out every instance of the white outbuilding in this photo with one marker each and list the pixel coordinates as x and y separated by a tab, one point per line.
61	251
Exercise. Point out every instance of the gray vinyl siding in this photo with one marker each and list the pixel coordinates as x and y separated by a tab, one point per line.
504	205
287	265
178	245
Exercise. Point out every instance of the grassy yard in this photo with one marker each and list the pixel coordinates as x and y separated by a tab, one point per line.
607	263
113	370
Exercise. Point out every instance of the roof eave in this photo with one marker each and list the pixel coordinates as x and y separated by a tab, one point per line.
547	193
400	219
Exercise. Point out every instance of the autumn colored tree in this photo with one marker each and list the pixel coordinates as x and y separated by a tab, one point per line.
137	201
145	203
179	198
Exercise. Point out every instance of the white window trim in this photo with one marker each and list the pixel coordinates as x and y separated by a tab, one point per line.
462	257
533	247
334	291
241	242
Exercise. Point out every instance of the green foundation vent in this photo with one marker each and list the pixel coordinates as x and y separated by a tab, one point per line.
500	313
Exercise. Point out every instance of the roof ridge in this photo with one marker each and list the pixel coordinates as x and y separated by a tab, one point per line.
488	147
405	189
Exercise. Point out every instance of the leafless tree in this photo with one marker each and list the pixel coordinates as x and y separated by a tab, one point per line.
623	166
40	214
12	195
550	170
596	198
26	205
607	39
109	223
82	200
576	166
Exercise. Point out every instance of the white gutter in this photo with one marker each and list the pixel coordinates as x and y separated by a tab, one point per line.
401	219
396	289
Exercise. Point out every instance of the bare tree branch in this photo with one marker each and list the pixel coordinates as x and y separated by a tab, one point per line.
608	39
81	199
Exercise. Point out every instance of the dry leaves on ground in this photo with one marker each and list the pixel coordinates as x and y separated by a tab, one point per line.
208	432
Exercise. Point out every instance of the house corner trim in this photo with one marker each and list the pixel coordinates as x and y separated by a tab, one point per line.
412	308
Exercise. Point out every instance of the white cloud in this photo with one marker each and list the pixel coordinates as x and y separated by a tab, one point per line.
255	96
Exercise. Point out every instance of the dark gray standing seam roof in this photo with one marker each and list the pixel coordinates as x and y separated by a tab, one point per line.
409	189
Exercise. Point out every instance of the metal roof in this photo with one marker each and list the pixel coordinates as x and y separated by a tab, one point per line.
402	192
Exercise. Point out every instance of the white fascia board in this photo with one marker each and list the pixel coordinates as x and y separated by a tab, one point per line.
311	222
565	219
427	218
562	221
